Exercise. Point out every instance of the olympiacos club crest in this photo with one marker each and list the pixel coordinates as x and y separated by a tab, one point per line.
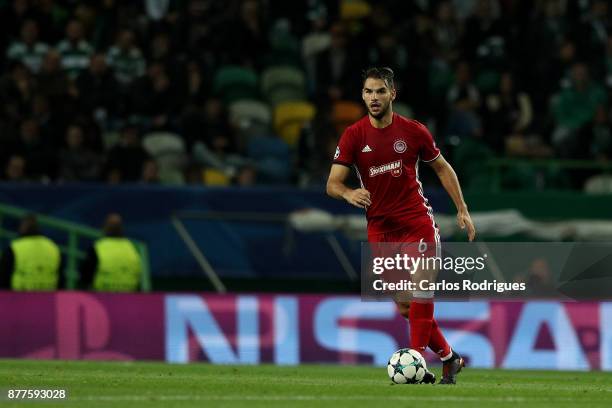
399	146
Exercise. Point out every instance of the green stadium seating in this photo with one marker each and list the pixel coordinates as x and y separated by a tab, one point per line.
283	84
246	111
233	83
168	149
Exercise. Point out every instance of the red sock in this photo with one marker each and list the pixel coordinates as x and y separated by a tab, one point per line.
437	341
420	319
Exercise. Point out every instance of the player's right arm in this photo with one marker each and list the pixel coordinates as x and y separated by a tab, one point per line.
337	188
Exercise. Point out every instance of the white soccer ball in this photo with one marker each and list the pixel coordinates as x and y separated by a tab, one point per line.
406	366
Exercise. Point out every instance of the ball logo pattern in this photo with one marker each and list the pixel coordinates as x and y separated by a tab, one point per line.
406	366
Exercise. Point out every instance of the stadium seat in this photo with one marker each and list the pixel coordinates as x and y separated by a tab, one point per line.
599	184
246	111
289	118
214	177
283	84
233	83
286	95
250	117
354	9
161	143
314	43
168	149
344	113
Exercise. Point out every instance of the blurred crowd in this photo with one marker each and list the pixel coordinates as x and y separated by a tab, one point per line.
250	92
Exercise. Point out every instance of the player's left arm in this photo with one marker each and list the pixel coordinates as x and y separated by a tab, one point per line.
449	181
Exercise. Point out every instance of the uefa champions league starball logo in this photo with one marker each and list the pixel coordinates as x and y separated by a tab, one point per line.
399	146
337	153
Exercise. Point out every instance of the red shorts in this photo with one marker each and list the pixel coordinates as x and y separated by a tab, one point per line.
415	233
422	230
419	239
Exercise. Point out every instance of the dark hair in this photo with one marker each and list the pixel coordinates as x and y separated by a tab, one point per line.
384	73
29	225
113	225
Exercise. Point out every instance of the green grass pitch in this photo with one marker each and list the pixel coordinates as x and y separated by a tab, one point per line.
111	384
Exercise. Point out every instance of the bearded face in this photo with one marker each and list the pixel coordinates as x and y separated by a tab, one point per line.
377	97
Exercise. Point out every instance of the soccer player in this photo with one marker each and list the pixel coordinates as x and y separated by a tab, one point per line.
385	150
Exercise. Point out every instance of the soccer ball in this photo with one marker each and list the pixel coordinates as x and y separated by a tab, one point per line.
406	366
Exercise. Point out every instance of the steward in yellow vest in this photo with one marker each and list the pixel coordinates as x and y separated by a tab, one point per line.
32	262
113	264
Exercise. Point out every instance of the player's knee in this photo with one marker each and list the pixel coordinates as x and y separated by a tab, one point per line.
403	308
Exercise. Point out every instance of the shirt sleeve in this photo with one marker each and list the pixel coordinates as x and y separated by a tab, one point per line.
345	151
428	150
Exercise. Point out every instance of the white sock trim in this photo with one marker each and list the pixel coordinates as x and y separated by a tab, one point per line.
447	357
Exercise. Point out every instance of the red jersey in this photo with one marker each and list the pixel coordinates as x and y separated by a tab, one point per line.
387	164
